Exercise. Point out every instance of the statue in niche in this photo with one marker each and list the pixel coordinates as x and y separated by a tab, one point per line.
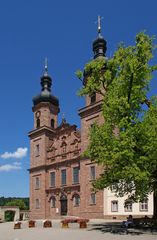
50	146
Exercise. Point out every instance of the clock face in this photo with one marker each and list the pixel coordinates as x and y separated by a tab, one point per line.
38	114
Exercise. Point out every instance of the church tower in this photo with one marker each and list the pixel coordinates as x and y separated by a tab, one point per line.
91	202
93	103
46	106
45	109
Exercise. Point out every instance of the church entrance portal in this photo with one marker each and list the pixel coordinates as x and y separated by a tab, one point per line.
63	201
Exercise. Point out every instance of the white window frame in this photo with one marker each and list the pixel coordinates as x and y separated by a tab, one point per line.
144	206
128	207
114	206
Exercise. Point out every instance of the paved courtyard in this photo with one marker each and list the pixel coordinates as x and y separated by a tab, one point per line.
97	230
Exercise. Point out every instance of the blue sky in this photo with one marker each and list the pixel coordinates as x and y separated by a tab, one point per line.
62	31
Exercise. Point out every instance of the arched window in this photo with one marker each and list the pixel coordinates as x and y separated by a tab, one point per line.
53	202
76	200
93	98
38	123
52	123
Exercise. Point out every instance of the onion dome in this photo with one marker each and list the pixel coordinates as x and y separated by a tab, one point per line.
99	44
45	95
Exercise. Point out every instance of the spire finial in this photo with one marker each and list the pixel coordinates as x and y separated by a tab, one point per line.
63	118
99	24
46	67
99	45
63	115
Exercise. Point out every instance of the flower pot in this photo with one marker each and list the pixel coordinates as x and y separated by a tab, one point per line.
83	225
65	225
47	224
31	224
17	225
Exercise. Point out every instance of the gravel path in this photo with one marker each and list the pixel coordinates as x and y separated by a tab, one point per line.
97	230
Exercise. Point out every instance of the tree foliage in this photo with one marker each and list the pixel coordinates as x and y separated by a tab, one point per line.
17	202
126	144
23	203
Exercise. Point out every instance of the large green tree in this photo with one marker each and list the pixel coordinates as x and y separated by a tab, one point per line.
17	202
126	144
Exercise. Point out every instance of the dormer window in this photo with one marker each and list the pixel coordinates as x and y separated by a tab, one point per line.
93	98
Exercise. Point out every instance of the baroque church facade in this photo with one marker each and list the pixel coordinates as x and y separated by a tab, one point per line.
60	178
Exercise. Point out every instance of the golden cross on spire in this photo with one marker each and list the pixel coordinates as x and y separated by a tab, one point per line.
99	24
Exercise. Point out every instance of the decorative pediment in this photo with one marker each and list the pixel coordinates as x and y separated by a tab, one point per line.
77	134
64	138
75	141
63	144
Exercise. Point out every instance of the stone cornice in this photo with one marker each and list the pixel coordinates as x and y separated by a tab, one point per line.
54	165
63	162
41	130
38	168
46	104
64	188
87	111
56	131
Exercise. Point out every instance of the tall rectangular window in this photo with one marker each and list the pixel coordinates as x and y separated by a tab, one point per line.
144	205
114	206
128	206
93	198
63	177
37	183
37	150
37	203
52	179
76	175
92	173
